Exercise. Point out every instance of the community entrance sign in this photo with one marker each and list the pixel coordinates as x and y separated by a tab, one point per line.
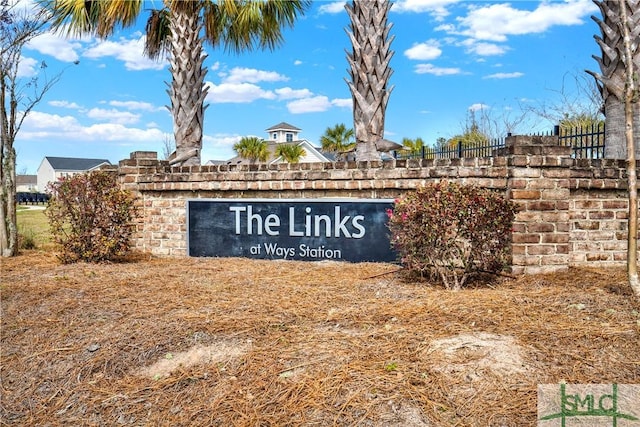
298	229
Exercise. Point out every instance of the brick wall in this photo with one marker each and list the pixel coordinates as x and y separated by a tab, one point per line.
572	212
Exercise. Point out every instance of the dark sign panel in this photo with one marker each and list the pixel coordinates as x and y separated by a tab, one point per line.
312	230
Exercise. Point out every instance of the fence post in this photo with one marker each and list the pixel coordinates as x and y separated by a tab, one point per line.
459	149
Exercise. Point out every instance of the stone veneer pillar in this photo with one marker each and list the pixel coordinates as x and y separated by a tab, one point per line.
538	182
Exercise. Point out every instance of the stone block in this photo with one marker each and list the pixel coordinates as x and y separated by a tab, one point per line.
526	238
517	194
555	238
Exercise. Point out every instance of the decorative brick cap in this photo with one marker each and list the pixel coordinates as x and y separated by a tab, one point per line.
146	155
516	140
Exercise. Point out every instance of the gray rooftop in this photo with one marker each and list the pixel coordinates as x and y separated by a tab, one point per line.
26	179
283	126
74	164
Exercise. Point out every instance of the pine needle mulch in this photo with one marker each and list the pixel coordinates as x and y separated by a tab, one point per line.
236	342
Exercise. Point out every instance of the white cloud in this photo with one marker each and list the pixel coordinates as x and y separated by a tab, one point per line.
39	120
436	71
342	102
28	67
447	28
136	105
495	22
131	52
55	45
119	132
315	104
288	93
436	8
46	126
297	62
251	75
236	93
113	116
513	75
424	51
23	7
478	107
220	140
332	8
218	146
487	49
64	104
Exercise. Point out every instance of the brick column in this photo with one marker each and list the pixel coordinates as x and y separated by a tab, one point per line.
538	182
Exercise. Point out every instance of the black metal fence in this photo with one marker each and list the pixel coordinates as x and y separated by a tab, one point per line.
587	143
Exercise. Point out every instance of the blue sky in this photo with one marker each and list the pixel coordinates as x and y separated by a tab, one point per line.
451	57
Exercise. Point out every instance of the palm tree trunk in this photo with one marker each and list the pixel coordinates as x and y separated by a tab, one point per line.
187	91
615	146
612	77
370	72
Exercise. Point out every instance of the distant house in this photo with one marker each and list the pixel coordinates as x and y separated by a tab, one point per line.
53	168
26	183
284	133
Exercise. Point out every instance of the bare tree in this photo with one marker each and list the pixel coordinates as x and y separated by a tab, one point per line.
577	103
18	96
168	146
495	122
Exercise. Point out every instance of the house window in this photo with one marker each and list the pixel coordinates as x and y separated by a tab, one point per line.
289	136
274	135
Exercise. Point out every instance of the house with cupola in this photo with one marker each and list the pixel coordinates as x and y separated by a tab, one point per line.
284	133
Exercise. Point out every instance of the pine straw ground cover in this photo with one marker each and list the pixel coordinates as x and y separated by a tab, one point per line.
236	342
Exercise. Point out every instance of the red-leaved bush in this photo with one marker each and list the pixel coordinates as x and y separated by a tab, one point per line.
450	232
90	217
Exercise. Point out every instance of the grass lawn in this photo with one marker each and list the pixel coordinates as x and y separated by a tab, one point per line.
237	342
34	224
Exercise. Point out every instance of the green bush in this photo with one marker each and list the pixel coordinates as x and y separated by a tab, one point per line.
450	232
26	239
90	217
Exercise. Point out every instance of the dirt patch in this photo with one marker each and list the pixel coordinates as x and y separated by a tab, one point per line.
220	353
218	342
477	352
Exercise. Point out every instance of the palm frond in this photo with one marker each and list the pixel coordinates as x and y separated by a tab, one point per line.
122	12
95	17
242	25
158	32
71	17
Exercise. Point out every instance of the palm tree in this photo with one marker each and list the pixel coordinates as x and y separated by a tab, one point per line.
338	140
290	153
252	148
180	30
611	81
370	72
